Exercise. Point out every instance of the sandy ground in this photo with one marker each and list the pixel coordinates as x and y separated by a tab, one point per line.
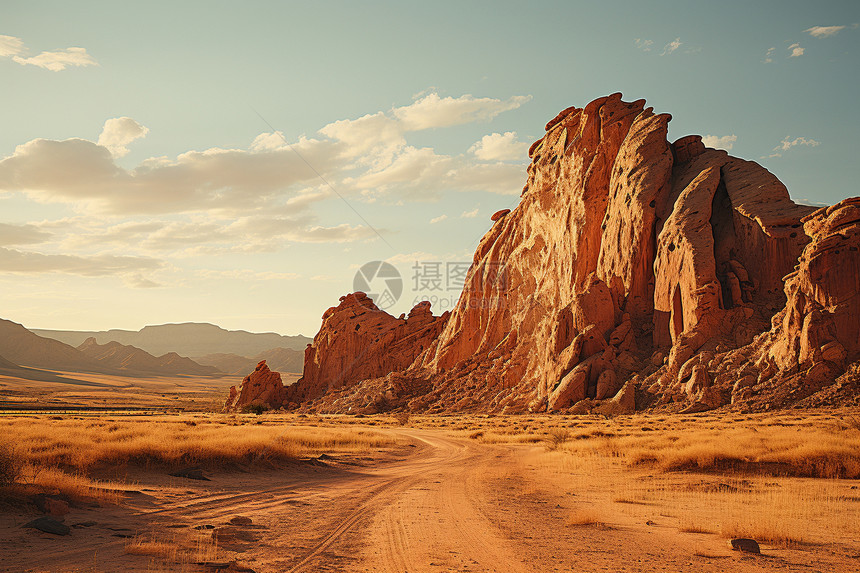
435	503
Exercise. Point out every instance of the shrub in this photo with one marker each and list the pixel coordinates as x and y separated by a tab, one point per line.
11	465
257	409
557	437
402	417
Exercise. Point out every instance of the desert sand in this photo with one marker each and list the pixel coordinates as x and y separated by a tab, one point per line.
466	493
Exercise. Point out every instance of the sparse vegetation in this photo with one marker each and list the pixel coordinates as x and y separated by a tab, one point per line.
59	455
257	409
11	465
583	518
557	437
84	444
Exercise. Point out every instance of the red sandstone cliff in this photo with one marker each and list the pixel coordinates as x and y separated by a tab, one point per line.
628	259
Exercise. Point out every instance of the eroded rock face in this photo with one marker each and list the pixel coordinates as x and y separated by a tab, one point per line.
629	263
261	387
358	341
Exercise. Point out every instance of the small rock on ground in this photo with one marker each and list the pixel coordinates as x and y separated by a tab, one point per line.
49	525
745	545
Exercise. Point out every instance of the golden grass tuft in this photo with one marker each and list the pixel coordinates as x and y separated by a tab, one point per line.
582	518
178	549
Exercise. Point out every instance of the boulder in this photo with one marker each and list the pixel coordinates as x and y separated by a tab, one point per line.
48	525
745	545
261	387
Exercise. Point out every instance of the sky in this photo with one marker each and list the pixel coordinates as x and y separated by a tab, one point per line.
244	163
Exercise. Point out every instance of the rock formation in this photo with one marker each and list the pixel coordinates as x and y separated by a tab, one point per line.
632	269
358	341
262	387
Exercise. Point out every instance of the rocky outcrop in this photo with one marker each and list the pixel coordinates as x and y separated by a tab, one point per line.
358	341
262	387
630	264
816	337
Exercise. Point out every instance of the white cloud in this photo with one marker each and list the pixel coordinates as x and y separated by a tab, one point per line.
788	143
247	275
470	214
368	155
253	200
21	235
438	219
80	171
342	233
412	258
268	141
796	51
644	45
10	46
671	46
412	168
500	147
768	56
118	133
140	281
58	60
373	139
824	31
27	262
433	111
720	142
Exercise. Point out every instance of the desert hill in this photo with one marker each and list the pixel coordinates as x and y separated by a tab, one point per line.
25	348
188	339
634	273
134	360
279	359
6	365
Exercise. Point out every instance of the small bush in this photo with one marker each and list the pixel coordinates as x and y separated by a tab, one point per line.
11	465
257	409
402	417
557	437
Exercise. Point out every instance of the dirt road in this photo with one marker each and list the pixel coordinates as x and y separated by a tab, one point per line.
438	504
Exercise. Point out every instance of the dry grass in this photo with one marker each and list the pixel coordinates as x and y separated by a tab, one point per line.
583	518
11	465
176	550
59	455
84	444
817	445
784	479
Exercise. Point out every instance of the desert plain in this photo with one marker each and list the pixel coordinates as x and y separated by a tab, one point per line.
168	483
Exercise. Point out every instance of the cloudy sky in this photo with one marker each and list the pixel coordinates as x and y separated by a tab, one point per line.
238	163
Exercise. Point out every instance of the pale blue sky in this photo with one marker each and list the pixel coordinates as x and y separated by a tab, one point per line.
150	227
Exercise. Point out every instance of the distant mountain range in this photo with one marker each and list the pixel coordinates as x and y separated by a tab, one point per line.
159	351
188	339
23	348
278	359
129	358
26	353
